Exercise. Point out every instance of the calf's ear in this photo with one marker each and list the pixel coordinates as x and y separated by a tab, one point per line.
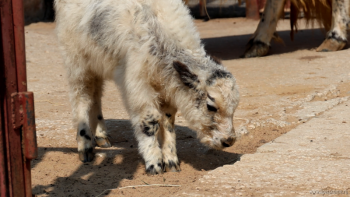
186	76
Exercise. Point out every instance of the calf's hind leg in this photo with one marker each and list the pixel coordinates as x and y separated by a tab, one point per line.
337	37
82	99
85	93
97	121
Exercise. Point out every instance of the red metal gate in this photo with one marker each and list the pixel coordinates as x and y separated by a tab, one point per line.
17	125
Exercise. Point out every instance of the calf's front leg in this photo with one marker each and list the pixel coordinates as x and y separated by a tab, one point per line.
170	161
143	106
147	127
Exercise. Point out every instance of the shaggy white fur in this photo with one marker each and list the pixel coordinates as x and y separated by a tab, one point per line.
152	50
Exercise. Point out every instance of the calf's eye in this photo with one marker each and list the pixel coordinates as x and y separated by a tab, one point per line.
212	108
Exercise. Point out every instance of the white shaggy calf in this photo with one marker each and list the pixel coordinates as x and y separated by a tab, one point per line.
152	50
332	14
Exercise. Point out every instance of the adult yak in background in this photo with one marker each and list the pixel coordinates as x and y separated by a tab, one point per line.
333	15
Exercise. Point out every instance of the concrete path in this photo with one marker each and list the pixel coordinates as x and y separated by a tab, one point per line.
310	160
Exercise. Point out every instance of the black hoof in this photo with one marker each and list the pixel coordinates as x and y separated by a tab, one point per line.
256	49
152	170
86	155
171	166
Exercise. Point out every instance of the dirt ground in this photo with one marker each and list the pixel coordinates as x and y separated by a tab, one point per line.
278	92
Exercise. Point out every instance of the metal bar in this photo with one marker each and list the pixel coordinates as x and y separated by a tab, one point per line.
18	24
29	137
27	99
3	164
3	160
24	119
7	60
13	136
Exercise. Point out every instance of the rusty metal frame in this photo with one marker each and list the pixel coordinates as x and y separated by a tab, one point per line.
17	124
3	158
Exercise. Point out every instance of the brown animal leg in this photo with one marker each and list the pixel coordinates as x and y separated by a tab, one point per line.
259	45
336	37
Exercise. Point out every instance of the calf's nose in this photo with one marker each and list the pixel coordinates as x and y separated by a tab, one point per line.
228	142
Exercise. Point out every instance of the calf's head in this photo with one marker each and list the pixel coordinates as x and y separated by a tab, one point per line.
208	102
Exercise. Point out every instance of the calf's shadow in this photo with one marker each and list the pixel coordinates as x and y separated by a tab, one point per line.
108	174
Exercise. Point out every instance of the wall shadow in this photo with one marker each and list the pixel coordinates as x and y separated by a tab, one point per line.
108	173
38	11
232	47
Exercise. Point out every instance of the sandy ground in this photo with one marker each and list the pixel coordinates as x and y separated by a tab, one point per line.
279	92
312	159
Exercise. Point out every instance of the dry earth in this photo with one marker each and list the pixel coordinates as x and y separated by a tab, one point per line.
278	92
